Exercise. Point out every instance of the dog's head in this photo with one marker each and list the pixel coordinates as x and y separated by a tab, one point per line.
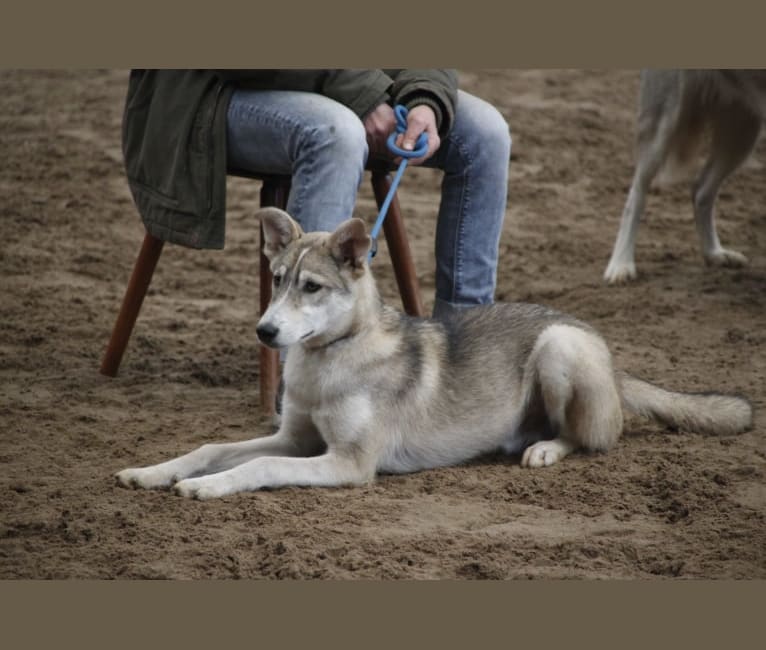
317	280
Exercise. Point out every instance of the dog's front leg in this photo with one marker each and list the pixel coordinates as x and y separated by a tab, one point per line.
622	266
330	469
653	143
295	438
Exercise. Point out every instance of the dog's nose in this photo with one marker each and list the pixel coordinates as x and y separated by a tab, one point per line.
267	333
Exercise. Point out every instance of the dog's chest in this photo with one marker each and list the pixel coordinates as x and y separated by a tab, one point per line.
310	383
334	397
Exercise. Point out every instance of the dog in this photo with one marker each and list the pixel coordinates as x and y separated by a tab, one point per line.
676	109
369	389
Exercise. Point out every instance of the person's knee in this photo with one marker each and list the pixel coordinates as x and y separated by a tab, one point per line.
342	139
488	129
494	132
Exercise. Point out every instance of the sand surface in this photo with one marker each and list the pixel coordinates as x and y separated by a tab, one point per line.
660	505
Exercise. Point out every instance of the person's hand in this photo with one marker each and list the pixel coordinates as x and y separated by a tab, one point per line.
379	124
420	119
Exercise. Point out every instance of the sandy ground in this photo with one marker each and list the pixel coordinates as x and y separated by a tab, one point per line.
660	504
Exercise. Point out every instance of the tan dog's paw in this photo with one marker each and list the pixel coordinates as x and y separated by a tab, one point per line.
620	273
725	257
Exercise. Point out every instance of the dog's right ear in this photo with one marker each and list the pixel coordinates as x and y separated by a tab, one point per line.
279	229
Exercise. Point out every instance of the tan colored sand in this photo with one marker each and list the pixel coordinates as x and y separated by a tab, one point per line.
659	505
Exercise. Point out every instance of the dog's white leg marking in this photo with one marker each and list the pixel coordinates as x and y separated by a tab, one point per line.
734	136
653	143
344	424
546	452
622	266
207	459
331	469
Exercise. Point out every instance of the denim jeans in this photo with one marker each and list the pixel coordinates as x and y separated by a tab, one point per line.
322	144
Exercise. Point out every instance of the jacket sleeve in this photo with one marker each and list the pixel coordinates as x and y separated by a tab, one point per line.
436	88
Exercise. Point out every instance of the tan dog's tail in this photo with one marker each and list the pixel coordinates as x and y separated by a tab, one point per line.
698	412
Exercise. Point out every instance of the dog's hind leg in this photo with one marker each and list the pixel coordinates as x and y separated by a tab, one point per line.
656	125
735	130
574	371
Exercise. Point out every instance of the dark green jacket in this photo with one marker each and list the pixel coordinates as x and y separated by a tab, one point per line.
174	133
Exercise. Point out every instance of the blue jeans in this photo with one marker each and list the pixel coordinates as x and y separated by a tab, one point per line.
322	144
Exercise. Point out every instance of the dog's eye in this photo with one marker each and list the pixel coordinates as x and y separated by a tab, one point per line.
277	280
311	287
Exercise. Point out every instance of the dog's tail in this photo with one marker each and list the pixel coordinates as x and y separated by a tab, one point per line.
699	412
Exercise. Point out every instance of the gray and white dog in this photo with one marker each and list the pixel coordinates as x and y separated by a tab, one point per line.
368	389
676	109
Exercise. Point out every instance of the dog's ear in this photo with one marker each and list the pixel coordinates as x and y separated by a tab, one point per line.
350	243
279	229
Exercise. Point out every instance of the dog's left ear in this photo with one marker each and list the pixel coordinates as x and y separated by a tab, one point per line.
350	243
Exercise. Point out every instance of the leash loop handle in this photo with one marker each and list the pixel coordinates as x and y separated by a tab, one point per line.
421	145
421	148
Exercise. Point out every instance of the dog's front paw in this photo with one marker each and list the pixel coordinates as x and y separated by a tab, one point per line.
144	477
620	272
725	257
205	487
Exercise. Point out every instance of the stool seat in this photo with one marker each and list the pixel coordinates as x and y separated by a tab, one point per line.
275	190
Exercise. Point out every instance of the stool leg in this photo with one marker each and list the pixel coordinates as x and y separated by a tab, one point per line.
131	304
398	247
272	194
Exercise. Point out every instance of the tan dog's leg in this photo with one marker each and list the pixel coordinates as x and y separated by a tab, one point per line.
652	151
734	134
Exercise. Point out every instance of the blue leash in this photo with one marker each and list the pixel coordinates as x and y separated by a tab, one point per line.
421	148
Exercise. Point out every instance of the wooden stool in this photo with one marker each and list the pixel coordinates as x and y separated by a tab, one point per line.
274	192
